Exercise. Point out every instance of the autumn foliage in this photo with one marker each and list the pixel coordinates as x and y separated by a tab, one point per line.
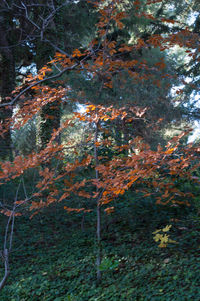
133	165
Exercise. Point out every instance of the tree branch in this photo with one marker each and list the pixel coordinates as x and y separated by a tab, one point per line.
37	83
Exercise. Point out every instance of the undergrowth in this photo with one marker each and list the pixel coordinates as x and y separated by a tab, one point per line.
54	259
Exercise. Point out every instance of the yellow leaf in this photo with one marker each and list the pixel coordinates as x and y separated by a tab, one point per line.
164	238
167	228
157	237
172	241
156	231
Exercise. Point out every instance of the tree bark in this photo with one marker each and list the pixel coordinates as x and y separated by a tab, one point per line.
7	85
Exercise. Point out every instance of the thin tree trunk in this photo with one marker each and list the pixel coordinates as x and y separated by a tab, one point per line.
6	268
50	114
98	242
98	209
49	120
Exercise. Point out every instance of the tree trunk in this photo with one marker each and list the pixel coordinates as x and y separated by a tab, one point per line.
98	209
49	119
50	114
7	85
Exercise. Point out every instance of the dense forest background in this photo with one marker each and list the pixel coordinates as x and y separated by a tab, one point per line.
99	192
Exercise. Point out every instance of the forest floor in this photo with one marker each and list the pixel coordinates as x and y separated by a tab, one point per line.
54	259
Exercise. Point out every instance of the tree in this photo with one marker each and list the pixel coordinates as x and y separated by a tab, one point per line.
107	172
142	22
34	31
7	82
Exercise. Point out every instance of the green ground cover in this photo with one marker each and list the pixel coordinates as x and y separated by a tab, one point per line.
53	259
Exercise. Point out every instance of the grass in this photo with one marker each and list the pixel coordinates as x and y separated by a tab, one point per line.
54	260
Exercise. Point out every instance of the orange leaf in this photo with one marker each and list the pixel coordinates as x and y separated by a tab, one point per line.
109	210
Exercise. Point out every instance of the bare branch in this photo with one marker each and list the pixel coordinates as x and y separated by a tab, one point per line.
7	250
10	225
6	4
